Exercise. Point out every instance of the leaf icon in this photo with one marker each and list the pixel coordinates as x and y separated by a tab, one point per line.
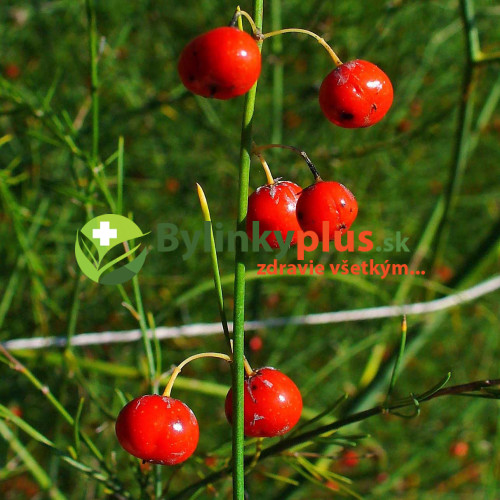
90	250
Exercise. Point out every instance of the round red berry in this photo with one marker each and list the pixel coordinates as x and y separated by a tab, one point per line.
158	429
459	449
326	202
222	63
356	94
255	343
349	459
272	404
12	71
273	207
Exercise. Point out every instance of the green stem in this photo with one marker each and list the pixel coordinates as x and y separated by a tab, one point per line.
75	307
238	370
144	331
471	31
463	133
277	47
119	202
215	265
94	81
395	371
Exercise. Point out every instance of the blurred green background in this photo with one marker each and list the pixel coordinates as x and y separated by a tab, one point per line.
398	170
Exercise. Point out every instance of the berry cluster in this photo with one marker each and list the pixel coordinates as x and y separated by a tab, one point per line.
323	208
226	62
163	430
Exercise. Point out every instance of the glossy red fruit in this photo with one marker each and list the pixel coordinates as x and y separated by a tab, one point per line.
273	207
158	429
356	94
272	404
222	63
326	201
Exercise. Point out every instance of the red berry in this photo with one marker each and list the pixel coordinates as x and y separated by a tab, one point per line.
222	63
12	71
210	461
382	477
273	207
459	449
326	201
349	458
158	429
16	410
356	94
332	485
255	343
273	404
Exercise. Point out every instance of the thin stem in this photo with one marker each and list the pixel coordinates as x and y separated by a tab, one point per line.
248	369
320	40
267	170
258	149
238	370
157	349
94	81
215	265
144	332
461	149
277	50
398	359
178	369
236	18
119	184
484	58
240	20
471	31
75	306
255	460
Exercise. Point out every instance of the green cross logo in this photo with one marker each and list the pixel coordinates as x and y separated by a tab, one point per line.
101	235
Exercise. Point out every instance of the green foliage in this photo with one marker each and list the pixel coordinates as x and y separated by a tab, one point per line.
50	185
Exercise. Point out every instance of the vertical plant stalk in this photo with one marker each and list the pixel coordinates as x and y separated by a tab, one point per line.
464	127
94	80
397	363
119	202
144	331
277	48
238	371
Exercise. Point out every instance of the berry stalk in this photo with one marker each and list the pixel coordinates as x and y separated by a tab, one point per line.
267	170
258	149
237	20
319	39
178	369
